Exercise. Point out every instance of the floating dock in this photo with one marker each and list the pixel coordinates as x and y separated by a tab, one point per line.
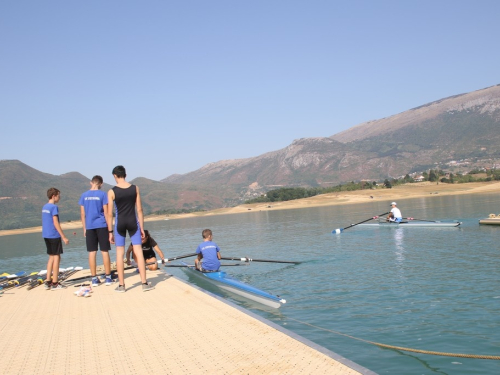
174	329
491	220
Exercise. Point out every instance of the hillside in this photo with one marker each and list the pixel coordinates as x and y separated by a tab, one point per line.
460	127
459	131
23	193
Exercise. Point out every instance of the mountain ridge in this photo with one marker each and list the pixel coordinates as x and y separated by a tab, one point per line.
459	131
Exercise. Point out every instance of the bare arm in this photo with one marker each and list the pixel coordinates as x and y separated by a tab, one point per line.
218	255
197	261
129	251
82	216
59	229
105	209
160	253
109	220
140	215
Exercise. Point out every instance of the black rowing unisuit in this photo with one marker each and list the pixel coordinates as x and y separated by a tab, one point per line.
126	219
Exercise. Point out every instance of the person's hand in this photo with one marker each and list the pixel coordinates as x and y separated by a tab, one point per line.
128	262
66	241
112	238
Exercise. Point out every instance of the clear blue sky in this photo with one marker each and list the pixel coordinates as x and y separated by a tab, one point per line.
166	87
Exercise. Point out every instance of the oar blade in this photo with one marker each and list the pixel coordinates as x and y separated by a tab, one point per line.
337	231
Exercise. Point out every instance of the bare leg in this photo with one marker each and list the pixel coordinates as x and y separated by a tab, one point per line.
120	265
141	264
92	262
49	268
106	261
154	265
55	268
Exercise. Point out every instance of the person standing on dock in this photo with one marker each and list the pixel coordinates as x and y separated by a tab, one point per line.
53	236
395	215
127	199
209	252
94	213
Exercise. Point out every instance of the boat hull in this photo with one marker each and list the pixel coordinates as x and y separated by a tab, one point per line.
490	221
230	284
413	224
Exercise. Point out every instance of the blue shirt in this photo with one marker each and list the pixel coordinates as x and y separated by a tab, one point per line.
209	251
93	202
48	228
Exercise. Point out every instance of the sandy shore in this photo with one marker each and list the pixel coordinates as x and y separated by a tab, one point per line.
421	189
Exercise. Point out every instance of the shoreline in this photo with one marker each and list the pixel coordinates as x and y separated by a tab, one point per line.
401	192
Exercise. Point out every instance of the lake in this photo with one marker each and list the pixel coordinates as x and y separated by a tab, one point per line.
433	289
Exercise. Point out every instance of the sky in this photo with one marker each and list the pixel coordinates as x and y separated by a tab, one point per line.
165	87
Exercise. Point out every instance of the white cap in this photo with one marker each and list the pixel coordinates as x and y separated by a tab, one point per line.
393	204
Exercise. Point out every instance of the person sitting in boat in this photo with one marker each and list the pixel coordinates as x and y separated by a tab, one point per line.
209	252
395	215
149	246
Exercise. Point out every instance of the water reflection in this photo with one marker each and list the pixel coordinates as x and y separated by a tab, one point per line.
398	235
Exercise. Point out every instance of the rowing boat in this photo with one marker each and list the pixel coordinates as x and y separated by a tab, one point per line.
222	280
414	224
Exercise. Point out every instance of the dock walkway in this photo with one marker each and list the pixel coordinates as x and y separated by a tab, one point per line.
174	329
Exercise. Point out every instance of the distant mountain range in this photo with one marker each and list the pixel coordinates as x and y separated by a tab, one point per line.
464	126
460	127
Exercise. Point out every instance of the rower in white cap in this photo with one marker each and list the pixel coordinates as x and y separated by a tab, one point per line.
395	214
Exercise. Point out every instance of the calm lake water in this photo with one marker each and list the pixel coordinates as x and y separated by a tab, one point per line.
423	288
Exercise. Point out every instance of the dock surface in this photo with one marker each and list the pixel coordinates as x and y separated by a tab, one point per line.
174	329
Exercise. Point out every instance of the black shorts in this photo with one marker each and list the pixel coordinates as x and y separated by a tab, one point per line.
54	246
148	254
97	237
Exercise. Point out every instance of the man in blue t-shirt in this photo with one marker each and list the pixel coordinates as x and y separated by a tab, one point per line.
94	209
209	252
53	237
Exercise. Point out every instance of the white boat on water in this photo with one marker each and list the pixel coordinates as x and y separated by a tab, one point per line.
413	224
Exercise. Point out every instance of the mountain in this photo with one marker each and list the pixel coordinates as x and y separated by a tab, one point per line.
462	128
459	127
23	193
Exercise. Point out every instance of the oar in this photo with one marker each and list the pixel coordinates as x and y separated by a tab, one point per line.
14	276
340	230
428	221
259	260
178	257
192	265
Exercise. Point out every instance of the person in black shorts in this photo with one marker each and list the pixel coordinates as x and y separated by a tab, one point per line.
149	246
94	213
53	237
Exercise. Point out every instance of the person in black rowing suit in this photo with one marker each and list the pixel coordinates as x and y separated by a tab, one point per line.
127	199
149	246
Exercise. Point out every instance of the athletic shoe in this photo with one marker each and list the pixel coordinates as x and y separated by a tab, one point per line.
108	281
96	281
46	285
120	289
56	287
147	286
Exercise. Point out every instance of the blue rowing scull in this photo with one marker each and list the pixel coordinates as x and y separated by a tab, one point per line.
222	280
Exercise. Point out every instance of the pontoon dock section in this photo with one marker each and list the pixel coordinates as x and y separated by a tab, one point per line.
174	329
